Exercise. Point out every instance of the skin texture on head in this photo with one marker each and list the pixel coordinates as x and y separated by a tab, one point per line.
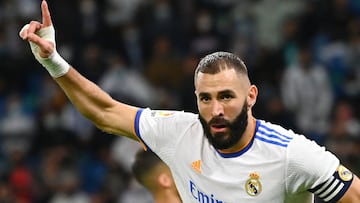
150	171
223	92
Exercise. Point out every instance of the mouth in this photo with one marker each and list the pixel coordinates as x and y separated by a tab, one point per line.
218	128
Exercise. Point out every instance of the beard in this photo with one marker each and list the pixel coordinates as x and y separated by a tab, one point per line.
225	140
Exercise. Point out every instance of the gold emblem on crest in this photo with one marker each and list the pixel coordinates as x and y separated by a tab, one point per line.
253	185
344	173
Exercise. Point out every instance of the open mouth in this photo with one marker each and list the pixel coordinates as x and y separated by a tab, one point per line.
218	128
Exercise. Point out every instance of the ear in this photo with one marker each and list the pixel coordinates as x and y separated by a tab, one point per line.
165	180
252	96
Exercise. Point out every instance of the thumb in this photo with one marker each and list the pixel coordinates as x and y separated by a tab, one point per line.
46	48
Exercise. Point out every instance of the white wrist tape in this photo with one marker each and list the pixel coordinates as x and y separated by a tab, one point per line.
54	64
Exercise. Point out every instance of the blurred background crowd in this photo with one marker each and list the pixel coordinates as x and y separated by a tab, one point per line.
304	56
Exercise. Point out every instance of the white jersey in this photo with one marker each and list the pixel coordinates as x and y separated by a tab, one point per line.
276	166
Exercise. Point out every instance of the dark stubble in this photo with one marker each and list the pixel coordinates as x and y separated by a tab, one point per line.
236	129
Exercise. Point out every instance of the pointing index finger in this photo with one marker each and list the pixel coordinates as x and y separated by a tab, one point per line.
46	18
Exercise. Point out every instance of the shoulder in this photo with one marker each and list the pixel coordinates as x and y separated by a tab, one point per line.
309	163
167	114
166	119
273	134
160	114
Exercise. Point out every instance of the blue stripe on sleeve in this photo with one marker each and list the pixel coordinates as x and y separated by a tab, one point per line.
136	126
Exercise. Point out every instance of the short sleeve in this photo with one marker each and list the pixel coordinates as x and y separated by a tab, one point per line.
308	165
160	130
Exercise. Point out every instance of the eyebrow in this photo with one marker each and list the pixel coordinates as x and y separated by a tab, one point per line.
204	94
226	92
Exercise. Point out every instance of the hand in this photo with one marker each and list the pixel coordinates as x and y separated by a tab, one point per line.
40	36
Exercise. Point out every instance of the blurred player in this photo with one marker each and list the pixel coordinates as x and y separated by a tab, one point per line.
223	154
155	175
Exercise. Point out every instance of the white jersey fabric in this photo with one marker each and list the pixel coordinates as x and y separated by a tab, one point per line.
276	166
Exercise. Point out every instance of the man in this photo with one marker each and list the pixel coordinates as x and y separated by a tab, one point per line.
155	175
312	77
222	155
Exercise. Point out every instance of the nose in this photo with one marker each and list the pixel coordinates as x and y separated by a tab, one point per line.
217	109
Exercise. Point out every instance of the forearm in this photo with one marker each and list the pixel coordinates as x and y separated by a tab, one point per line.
96	105
87	97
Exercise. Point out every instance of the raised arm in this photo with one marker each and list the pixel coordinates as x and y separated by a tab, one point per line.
106	113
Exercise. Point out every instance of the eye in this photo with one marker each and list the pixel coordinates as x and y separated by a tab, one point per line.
205	99
226	97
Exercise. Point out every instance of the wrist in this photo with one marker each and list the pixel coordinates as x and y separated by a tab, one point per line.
55	65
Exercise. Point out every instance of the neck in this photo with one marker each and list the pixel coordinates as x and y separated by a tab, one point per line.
245	139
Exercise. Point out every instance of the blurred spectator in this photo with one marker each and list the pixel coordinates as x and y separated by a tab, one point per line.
241	40
163	71
338	17
76	124
344	138
93	61
306	93
163	68
21	179
69	191
352	81
93	170
136	193
127	84
4	47
133	45
204	39
6	194
270	106
101	174
89	18
333	56
187	90
123	151
121	12
16	126
54	154
52	110
117	177
159	18
290	35
269	19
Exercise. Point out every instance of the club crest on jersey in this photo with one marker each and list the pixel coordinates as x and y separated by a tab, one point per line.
253	185
344	173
